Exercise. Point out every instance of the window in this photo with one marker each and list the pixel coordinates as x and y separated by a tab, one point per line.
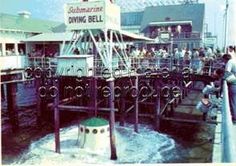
86	131
102	131
95	131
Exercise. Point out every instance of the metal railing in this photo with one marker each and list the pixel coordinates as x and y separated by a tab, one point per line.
228	135
140	63
176	35
143	64
12	61
187	35
41	61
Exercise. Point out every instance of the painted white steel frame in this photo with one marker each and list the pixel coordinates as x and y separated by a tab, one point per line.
84	39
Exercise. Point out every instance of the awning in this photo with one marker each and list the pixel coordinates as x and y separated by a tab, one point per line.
166	23
50	37
128	36
67	36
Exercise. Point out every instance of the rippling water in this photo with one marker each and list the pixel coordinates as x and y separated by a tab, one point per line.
181	143
147	146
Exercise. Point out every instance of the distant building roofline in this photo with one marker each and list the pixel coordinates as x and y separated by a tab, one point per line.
170	23
25	14
22	22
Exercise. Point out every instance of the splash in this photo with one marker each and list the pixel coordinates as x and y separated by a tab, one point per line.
147	146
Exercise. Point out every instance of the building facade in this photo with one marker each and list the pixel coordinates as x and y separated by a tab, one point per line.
14	29
172	26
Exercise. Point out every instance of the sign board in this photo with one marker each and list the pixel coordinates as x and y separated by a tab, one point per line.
92	15
75	65
210	40
165	36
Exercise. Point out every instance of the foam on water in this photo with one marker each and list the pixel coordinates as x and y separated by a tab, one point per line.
147	146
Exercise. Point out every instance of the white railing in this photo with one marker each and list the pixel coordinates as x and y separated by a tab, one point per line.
228	133
12	62
41	62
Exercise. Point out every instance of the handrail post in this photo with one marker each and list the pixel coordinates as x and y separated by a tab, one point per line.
228	135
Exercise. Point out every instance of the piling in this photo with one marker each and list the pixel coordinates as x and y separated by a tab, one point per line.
122	109
12	105
56	120
2	92
39	95
136	106
93	97
172	107
112	120
157	119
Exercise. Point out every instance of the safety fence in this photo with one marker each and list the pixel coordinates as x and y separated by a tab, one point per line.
129	65
228	133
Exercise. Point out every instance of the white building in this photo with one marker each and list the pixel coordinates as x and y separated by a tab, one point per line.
13	30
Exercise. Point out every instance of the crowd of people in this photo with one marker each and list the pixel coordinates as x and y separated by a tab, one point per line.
196	59
205	56
12	52
184	53
47	51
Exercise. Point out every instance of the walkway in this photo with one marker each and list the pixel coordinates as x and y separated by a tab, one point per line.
217	149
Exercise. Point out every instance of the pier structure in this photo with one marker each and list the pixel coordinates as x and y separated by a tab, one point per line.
14	58
99	25
10	78
96	75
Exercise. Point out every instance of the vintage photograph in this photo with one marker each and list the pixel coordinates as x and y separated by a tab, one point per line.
117	82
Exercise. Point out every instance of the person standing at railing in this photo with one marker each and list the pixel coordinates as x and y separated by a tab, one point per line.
76	51
176	55
232	51
134	56
230	77
183	51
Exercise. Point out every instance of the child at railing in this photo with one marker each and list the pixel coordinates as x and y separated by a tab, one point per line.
206	105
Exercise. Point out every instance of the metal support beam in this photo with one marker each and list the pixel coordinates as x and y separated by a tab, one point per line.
124	57
98	49
226	24
62	47
71	42
110	48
